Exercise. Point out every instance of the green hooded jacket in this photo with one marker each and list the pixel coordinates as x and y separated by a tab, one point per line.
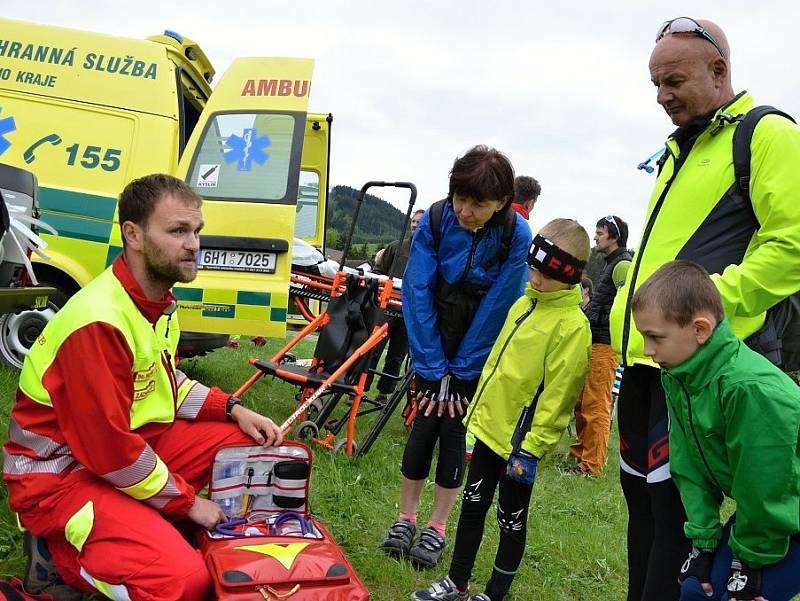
546	341
734	420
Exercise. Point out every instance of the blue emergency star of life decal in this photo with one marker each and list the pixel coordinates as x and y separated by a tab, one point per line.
246	149
7	125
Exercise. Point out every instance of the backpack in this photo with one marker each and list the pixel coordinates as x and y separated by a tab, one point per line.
509	226
779	338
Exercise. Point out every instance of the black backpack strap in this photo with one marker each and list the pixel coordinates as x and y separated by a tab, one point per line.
509	225
742	140
436	222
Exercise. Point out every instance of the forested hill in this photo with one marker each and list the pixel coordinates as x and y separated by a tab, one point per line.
378	223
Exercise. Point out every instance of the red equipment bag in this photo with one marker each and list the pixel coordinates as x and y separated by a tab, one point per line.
272	548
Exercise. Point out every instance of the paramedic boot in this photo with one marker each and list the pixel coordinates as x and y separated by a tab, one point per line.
399	538
443	589
428	550
41	575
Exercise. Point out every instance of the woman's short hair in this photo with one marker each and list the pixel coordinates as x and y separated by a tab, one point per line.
483	173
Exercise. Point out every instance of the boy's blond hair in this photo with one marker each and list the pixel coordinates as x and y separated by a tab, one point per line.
569	236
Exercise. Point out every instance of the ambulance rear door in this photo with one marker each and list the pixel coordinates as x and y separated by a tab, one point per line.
243	159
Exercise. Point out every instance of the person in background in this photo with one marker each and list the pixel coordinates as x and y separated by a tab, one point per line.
526	193
593	411
397	338
465	270
586	291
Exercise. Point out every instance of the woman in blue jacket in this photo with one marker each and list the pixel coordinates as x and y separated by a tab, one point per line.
465	270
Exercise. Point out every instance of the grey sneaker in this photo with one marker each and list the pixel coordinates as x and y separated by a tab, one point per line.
399	538
40	573
443	589
428	550
480	597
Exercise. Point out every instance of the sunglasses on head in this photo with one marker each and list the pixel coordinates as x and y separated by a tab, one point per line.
687	25
610	219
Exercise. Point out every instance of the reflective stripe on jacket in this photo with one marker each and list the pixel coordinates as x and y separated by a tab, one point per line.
98	383
692	215
545	338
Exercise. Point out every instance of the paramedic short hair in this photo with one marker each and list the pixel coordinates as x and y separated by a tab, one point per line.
680	290
138	200
483	174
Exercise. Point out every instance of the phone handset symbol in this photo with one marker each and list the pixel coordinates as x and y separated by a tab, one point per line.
28	155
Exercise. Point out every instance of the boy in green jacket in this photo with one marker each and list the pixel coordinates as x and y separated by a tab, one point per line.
526	394
734	432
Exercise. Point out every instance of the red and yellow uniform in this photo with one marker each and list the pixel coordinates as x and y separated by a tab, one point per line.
107	439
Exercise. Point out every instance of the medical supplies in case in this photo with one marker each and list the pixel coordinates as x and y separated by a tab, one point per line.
271	547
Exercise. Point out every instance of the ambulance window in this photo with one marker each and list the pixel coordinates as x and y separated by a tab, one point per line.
248	156
305	224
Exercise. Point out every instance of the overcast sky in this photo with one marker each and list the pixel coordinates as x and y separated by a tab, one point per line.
562	88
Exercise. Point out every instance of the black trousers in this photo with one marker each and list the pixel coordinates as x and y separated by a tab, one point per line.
656	544
395	354
487	470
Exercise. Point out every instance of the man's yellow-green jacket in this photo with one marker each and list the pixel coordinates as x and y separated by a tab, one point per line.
753	253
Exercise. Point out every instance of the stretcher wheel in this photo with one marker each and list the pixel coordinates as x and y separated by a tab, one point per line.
312	413
306	430
340	446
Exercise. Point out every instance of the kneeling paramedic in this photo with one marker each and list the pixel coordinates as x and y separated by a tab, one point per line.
734	433
526	394
108	442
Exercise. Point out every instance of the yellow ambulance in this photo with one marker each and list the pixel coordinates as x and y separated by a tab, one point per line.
88	112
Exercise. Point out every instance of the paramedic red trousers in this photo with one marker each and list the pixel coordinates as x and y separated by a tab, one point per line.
593	411
132	551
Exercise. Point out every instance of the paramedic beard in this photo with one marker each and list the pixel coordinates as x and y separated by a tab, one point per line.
165	270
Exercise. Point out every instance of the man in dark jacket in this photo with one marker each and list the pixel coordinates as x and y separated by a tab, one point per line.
397	339
593	411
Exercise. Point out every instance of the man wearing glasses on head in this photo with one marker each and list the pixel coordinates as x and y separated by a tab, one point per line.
746	233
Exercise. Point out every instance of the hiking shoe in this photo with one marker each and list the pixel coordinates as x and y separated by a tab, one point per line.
399	538
480	597
40	573
428	550
443	589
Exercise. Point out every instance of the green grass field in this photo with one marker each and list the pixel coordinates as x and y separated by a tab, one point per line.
576	536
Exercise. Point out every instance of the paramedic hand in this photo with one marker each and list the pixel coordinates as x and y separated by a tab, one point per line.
458	400
698	564
522	467
261	429
206	513
744	583
427	391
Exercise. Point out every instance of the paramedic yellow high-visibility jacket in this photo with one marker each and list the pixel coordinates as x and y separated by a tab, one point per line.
545	341
96	390
754	259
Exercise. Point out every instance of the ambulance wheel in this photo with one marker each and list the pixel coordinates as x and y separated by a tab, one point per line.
340	446
18	332
306	430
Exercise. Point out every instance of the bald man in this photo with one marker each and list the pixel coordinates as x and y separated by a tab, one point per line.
752	248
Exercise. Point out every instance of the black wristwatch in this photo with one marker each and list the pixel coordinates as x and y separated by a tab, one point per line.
232	402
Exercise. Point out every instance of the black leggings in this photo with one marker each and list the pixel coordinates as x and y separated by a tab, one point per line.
418	454
486	470
656	543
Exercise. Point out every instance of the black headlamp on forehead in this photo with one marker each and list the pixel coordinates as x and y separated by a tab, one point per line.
554	262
